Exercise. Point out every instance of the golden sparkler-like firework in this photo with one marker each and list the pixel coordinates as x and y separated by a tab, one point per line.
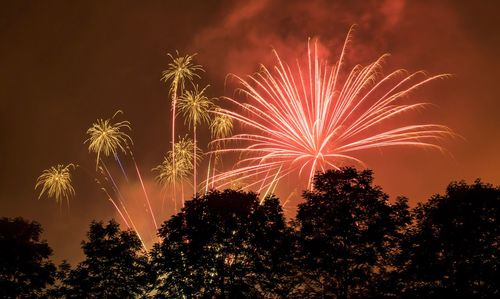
221	126
169	172
56	182
195	106
180	70
107	138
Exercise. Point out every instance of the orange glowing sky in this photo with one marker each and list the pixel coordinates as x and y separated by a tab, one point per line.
64	64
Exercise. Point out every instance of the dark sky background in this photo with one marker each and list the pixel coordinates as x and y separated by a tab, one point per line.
63	64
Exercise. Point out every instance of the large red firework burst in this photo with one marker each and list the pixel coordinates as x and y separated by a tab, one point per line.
305	120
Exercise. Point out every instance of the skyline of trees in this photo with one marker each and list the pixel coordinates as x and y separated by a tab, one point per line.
346	241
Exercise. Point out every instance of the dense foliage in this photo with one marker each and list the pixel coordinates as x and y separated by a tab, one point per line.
25	267
223	244
453	251
114	266
348	234
346	241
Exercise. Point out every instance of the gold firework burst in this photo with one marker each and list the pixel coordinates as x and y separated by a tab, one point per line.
107	138
56	182
195	106
180	69
221	126
168	172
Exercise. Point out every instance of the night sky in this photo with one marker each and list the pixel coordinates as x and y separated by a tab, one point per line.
63	64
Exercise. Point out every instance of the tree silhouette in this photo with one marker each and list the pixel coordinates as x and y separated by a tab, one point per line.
347	241
58	289
274	251
348	233
113	267
453	250
223	245
25	267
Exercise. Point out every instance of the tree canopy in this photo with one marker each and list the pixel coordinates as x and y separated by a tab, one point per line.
221	244
114	266
347	233
453	250
348	240
25	265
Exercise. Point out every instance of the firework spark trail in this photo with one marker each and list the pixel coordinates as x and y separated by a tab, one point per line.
144	189
314	120
146	195
250	172
121	166
110	198
274	183
213	175
121	199
264	180
220	126
208	173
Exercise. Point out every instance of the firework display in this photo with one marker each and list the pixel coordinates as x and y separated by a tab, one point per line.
107	138
221	126
315	117
179	70
56	182
293	122
195	107
169	172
